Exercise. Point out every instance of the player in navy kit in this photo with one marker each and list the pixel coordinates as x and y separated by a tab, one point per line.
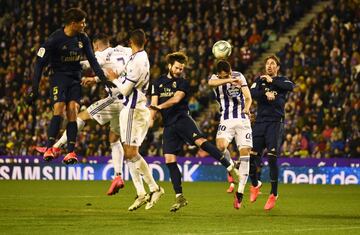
270	92
169	96
63	51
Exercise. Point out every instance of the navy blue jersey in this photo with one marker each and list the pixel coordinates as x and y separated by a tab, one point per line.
165	88
63	54
271	111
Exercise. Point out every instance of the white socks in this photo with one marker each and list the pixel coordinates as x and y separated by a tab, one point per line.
63	139
144	169
243	172
117	154
138	167
136	179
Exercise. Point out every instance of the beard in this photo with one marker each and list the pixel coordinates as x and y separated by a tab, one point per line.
174	75
270	72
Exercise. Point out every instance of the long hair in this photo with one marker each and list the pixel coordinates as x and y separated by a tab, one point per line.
176	56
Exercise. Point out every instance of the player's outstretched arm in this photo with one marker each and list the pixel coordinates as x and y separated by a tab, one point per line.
39	66
92	59
283	83
42	60
246	92
123	84
154	103
178	96
256	90
219	82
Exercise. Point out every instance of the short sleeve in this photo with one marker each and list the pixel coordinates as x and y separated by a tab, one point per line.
155	89
242	79
184	86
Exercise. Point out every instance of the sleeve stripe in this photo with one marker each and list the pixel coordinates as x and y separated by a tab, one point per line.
130	80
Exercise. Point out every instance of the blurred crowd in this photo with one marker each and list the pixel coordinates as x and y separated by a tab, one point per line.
324	62
322	112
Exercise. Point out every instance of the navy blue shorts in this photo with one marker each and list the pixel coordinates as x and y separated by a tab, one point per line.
65	88
184	130
268	135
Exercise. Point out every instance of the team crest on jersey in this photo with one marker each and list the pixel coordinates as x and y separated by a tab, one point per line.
233	91
161	85
81	45
41	52
174	85
64	47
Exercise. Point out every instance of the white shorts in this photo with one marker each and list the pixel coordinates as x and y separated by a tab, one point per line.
134	125
107	110
240	129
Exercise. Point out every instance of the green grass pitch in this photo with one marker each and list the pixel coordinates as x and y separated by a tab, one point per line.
81	207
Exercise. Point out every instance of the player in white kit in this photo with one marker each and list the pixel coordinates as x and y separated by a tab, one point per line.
107	109
233	95
135	118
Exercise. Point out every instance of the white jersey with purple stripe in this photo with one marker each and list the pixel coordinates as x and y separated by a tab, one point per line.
230	98
114	58
137	70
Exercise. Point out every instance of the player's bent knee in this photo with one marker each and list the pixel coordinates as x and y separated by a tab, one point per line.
170	158
130	151
71	111
200	141
71	115
84	115
58	113
222	148
72	105
221	145
59	108
113	137
245	151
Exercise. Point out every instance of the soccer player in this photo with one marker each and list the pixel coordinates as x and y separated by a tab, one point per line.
269	90
233	95
170	95
105	110
63	51
135	118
